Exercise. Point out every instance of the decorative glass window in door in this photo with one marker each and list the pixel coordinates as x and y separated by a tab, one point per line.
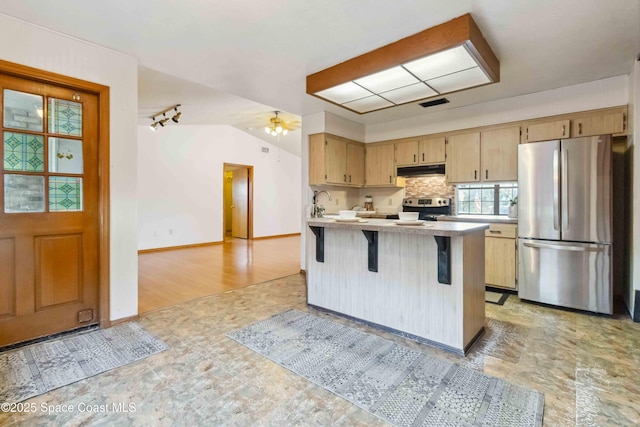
42	162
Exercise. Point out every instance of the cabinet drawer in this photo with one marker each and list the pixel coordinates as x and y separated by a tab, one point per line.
507	231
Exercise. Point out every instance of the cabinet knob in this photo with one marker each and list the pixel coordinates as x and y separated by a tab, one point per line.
564	127
423	157
390	181
579	128
414	158
349	178
475	174
486	174
345	178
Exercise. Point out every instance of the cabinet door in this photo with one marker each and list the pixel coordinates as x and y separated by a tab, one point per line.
499	154
335	161
407	153
500	262
432	151
380	168
598	125
355	164
463	158
317	172
547	131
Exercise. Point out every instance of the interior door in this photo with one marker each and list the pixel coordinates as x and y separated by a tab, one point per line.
240	211
49	214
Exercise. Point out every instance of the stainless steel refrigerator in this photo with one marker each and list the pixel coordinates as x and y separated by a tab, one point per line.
564	223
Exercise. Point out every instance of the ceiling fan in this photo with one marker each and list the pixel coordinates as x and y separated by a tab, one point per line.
277	126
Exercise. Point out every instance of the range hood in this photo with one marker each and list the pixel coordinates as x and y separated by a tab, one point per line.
421	170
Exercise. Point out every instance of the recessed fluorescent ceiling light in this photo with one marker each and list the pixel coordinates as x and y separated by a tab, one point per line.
446	58
345	92
387	80
369	103
409	93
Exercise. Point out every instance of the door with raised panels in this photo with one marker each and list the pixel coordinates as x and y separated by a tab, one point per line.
49	211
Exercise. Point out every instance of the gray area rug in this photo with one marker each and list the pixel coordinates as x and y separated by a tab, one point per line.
38	368
395	383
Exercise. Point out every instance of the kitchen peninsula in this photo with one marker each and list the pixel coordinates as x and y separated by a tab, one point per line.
425	282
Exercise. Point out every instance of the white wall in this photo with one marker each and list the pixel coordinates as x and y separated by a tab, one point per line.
47	50
604	93
180	182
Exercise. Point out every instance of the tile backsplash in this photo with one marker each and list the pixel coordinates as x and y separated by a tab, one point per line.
431	185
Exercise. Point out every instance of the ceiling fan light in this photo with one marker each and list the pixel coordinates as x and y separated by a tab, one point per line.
284	132
279	129
267	129
274	133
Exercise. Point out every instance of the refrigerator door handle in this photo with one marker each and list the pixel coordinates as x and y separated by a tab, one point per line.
563	247
565	189
556	189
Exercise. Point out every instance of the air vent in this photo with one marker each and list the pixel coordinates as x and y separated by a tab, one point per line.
434	102
265	149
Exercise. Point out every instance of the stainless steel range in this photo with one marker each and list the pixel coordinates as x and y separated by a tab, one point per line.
428	208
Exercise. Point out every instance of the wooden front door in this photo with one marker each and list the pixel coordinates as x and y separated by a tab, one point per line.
240	207
49	210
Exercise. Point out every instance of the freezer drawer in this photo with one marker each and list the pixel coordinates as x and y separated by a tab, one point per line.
574	275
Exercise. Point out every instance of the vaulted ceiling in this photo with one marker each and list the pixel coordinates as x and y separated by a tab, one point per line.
235	60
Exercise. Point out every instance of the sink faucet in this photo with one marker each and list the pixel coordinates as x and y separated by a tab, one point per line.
316	210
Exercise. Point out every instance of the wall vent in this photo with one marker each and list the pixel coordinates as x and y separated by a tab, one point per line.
434	102
265	149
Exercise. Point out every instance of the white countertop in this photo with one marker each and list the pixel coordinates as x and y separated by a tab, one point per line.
433	228
479	218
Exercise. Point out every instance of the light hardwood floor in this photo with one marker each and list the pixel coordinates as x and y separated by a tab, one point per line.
171	277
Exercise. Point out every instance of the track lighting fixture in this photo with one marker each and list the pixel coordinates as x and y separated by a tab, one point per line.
176	117
162	122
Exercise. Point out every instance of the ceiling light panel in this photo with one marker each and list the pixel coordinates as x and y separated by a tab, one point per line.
344	93
442	63
448	57
387	80
369	103
460	80
409	93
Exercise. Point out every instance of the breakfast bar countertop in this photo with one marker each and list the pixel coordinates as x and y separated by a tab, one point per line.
502	219
433	228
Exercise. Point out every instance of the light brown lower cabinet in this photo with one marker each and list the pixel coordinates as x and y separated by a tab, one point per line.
500	260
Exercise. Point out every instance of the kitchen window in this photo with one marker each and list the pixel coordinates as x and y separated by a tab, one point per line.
485	199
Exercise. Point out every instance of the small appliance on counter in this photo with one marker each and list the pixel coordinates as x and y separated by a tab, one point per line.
368	204
428	208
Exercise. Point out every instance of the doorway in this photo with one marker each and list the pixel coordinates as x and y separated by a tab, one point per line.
237	201
53	204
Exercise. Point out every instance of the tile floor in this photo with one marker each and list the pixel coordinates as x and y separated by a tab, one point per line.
587	367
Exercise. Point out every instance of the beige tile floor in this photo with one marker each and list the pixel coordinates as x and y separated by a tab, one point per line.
587	366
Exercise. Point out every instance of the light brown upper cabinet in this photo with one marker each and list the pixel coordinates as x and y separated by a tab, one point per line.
420	152
463	158
355	164
407	153
432	151
335	161
380	168
603	124
499	154
546	131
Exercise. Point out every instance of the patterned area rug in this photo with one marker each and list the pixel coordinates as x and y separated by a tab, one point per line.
398	384
38	368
